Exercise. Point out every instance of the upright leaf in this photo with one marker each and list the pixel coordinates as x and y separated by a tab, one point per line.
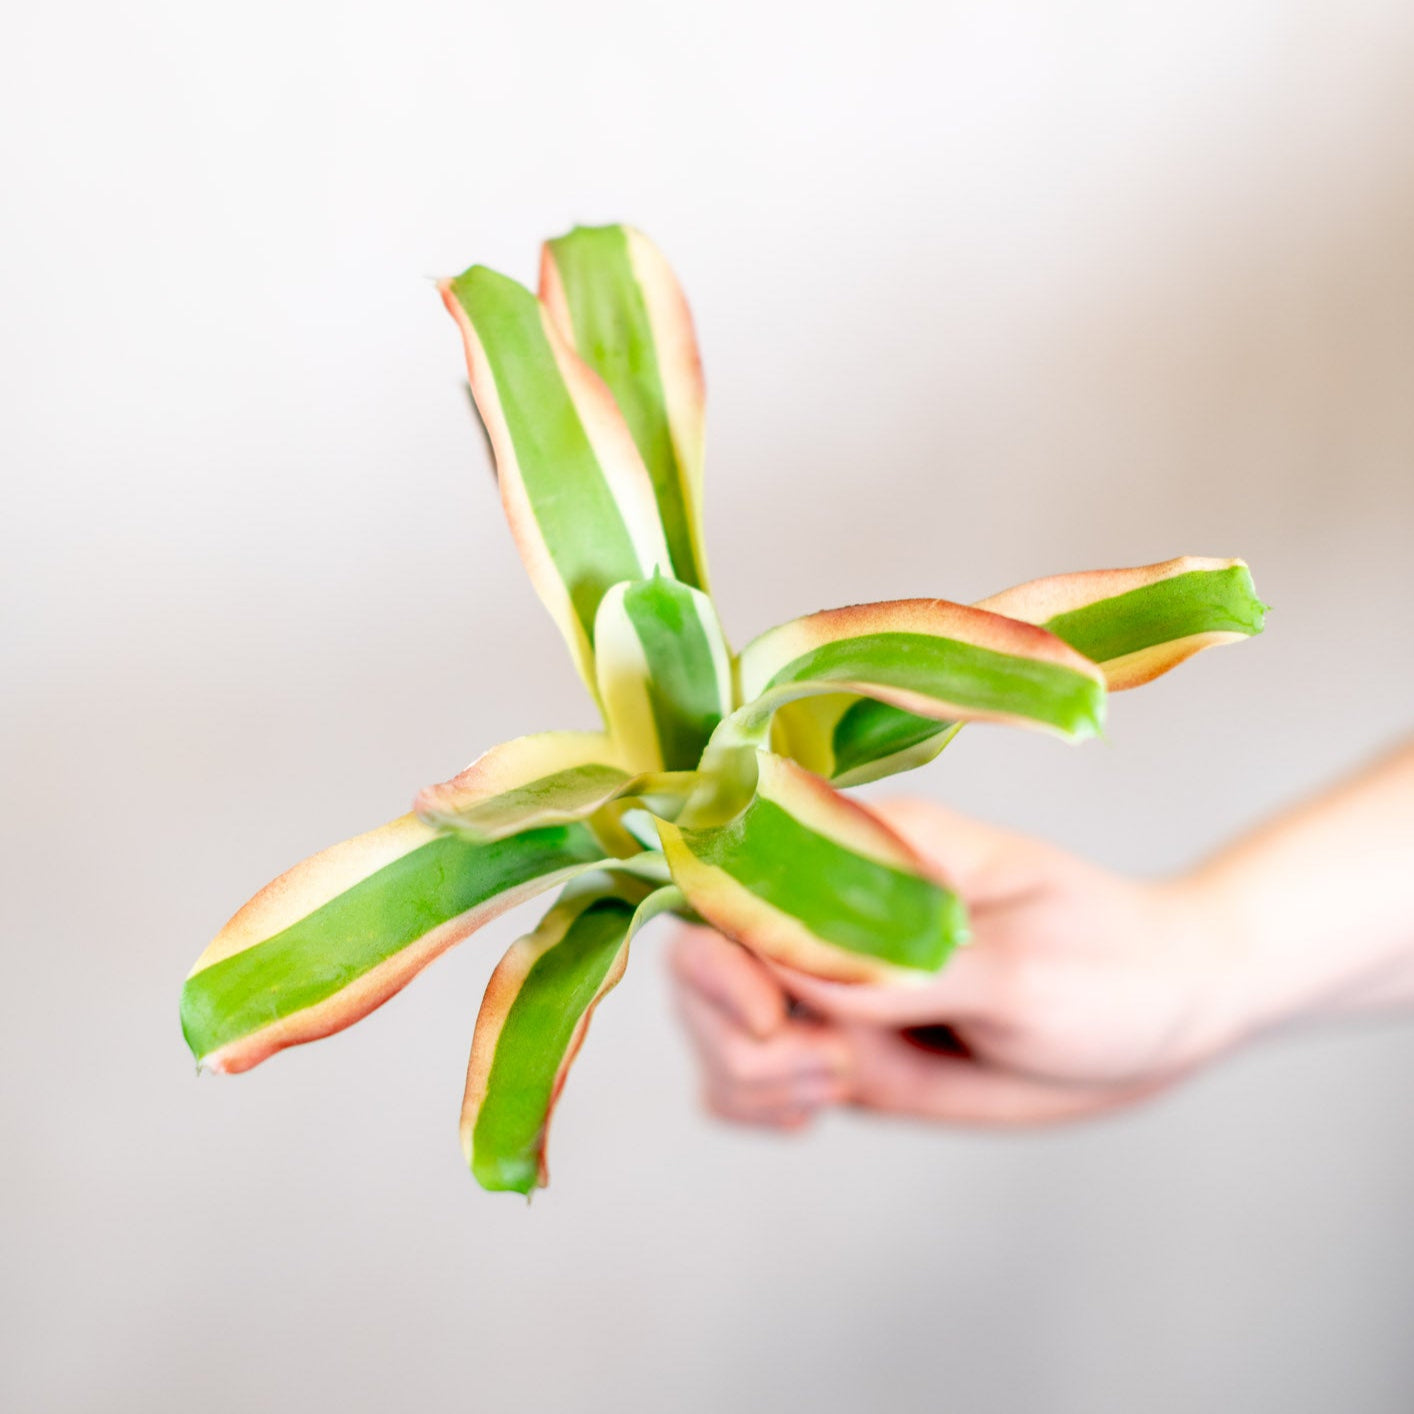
932	658
665	676
579	500
338	935
616	300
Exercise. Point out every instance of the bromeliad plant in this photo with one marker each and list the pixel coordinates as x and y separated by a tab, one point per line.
713	789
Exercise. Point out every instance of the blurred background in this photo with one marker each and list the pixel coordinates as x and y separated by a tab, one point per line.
986	291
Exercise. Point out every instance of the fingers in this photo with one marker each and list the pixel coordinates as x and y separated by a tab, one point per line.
759	1065
730	978
764	1066
984	864
992	870
782	1081
892	1075
966	989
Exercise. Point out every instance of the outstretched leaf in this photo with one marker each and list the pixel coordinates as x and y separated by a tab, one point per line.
932	658
338	935
665	676
616	300
533	1020
579	500
1139	623
1136	624
532	781
809	878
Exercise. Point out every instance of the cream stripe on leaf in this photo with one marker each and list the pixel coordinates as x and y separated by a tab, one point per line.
665	675
1136	624
616	300
808	878
339	934
533	1020
576	493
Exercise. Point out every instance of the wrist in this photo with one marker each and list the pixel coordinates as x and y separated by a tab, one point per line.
1251	993
1215	947
1314	911
1282	959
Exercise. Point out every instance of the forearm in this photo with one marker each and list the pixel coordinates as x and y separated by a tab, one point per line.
1318	905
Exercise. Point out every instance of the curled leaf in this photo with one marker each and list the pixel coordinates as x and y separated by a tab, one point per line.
814	880
665	677
531	781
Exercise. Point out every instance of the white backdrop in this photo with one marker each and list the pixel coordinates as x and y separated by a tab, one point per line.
985	292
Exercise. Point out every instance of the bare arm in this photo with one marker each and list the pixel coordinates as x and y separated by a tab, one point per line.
1083	990
1319	902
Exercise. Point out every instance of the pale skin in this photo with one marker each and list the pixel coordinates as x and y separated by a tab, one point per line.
1083	990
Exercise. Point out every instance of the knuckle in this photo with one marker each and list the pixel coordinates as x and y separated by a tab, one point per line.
727	1104
744	1061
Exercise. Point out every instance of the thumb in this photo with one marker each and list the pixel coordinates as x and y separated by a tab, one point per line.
891	1074
972	857
966	989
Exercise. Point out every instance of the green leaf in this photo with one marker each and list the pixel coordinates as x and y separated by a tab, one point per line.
533	1020
665	676
1135	624
931	658
1139	623
342	932
809	878
576	493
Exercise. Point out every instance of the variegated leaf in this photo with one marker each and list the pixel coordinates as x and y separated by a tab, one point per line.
1136	624
533	1020
807	877
617	302
575	490
531	781
930	657
1139	623
665	676
342	932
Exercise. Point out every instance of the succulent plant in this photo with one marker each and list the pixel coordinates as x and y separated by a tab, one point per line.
714	789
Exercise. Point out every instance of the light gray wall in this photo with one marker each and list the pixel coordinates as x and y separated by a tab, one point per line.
986	291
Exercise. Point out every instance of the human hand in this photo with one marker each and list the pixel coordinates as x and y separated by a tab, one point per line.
1081	991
